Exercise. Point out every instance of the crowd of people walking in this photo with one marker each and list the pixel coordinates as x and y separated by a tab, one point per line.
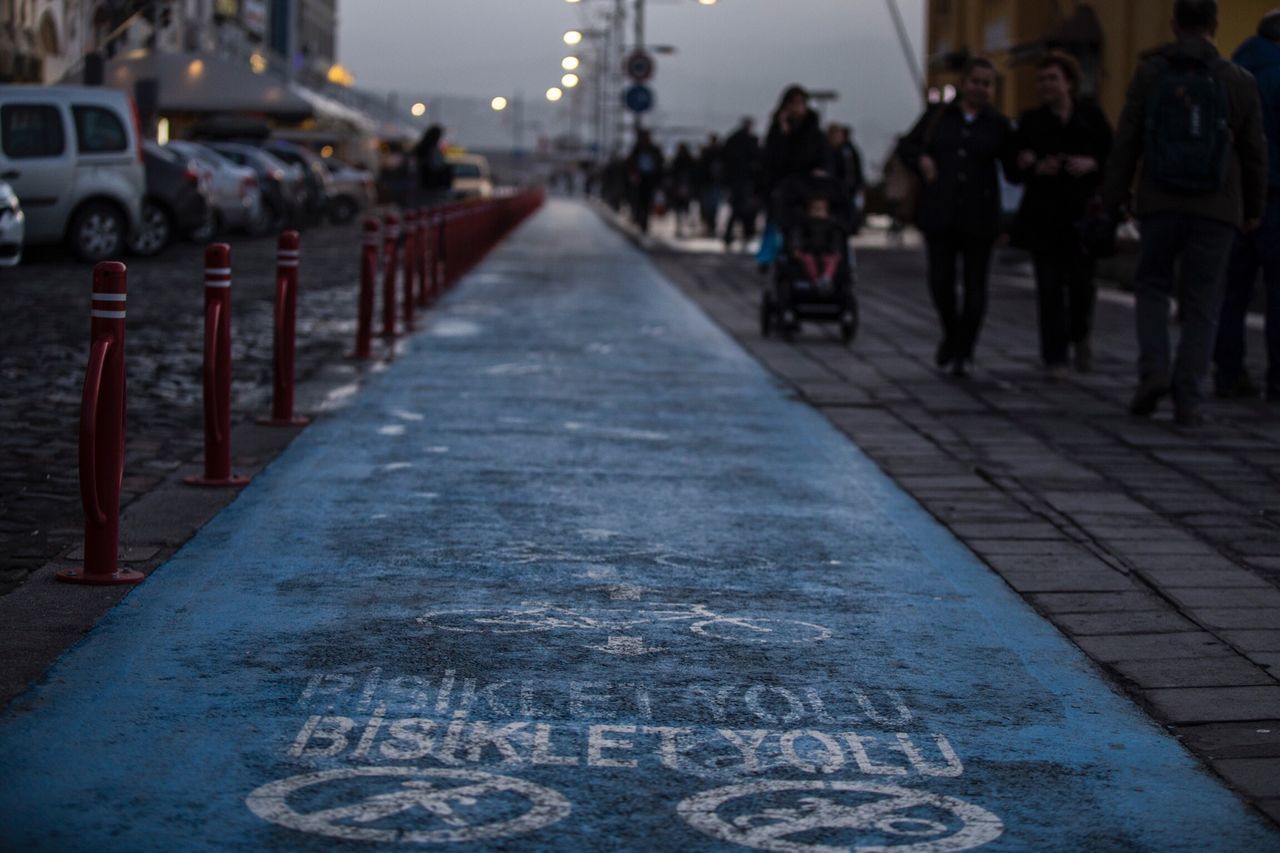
1194	160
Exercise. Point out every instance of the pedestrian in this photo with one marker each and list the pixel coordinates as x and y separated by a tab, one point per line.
680	182
1260	56
644	176
794	146
848	170
1063	146
741	157
709	185
957	150
1194	123
435	176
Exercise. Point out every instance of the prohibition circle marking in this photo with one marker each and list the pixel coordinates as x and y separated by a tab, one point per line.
418	792
896	812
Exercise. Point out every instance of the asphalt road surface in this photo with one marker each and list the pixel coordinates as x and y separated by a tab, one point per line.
575	573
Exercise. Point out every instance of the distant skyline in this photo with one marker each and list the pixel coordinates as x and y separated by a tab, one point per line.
733	58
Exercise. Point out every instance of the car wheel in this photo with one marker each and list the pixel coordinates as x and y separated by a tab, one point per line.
155	232
97	232
343	210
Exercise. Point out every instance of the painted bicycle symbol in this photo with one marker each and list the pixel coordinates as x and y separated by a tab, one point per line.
829	817
408	805
615	623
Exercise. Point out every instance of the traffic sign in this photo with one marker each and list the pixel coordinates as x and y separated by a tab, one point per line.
639	66
639	99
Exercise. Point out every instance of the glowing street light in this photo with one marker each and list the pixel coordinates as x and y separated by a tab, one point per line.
554	94
419	109
572	37
498	104
569	81
570	63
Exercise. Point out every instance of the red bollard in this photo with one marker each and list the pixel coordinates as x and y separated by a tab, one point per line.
391	235
286	330
424	256
410	267
217	371
368	281
102	430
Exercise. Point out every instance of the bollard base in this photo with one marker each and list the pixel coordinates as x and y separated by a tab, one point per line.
235	481
120	577
295	421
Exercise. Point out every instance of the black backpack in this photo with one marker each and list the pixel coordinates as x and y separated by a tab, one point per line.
1188	143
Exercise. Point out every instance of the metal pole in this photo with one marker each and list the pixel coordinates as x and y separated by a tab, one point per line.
908	50
639	46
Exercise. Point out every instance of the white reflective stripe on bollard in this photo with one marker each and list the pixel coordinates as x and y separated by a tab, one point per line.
111	297
106	315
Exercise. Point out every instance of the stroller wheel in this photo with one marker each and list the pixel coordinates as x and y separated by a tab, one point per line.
849	323
790	326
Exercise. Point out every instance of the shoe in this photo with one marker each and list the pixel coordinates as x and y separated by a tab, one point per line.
1147	398
1057	372
1188	417
944	356
1241	389
960	368
1084	357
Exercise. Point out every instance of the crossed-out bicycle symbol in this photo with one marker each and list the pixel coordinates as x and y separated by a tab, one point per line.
701	620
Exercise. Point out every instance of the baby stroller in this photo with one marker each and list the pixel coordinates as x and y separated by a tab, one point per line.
814	272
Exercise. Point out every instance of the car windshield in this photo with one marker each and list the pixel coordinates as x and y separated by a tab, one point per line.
466	170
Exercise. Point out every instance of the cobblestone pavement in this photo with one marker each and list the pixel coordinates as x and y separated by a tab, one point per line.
44	350
1156	550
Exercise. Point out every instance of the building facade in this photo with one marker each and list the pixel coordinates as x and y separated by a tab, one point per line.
1107	36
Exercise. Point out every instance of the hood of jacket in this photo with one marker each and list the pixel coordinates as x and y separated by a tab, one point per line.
1192	47
1257	55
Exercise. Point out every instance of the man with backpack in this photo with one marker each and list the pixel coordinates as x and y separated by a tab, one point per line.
1194	122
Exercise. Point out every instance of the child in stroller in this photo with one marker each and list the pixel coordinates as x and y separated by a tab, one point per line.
814	273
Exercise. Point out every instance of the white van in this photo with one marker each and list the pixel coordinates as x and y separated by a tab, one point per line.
73	154
470	176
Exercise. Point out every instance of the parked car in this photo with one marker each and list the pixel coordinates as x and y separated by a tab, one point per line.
175	204
470	176
319	186
353	191
283	194
12	227
233	189
73	154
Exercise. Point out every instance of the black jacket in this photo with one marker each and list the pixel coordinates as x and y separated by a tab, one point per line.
799	151
966	195
741	155
1052	204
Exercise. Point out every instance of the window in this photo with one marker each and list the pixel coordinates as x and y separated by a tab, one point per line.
466	170
99	131
31	130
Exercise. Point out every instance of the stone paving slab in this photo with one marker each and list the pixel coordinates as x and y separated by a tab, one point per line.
1098	519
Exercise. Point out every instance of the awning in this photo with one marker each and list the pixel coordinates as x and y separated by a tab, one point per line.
200	83
335	112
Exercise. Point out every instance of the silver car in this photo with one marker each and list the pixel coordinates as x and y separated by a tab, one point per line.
12	227
353	190
234	190
73	154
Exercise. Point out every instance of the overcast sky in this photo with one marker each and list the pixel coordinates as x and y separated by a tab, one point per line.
734	58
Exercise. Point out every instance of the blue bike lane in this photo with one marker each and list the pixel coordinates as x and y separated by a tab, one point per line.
575	574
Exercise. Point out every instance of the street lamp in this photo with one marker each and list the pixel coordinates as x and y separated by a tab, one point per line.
498	104
570	63
573	37
569	81
554	94
419	109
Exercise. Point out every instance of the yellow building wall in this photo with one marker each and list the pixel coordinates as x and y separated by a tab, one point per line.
1130	27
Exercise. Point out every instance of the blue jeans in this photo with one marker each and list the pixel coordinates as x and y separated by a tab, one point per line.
1202	248
1253	252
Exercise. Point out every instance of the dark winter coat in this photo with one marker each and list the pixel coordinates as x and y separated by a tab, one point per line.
1244	195
798	151
741	157
1053	204
645	165
966	195
1261	58
848	168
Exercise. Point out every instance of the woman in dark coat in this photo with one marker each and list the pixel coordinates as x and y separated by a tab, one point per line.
1063	147
957	150
794	146
681	180
435	176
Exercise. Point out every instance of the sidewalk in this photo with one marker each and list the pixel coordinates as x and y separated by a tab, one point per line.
575	573
1156	550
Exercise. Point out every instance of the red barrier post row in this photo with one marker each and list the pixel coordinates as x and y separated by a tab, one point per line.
102	433
424	239
368	281
285	340
217	371
391	235
410	267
